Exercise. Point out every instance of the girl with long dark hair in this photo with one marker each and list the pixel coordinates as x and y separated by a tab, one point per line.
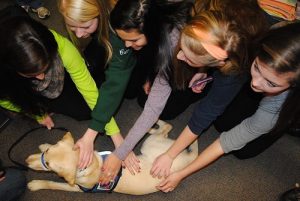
42	72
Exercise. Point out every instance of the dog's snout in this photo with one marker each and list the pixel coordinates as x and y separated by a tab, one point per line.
33	161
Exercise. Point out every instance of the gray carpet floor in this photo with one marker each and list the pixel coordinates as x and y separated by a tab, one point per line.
261	178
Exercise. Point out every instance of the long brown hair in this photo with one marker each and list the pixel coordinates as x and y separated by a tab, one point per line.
280	51
27	47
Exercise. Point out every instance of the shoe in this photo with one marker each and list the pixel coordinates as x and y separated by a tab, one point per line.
292	194
42	12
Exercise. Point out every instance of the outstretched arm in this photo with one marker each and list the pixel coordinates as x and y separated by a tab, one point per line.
156	101
209	155
162	164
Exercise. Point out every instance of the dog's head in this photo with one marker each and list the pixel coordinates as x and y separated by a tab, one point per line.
59	158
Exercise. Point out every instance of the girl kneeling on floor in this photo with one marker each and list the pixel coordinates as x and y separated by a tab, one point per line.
42	72
275	73
107	56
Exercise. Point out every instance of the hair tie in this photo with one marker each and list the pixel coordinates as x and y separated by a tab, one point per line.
214	50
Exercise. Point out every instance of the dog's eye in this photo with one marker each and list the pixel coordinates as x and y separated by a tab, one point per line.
47	164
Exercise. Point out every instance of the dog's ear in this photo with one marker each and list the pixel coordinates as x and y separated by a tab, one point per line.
34	162
70	175
44	147
68	138
70	169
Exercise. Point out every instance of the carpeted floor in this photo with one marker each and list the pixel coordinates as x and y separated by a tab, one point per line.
262	178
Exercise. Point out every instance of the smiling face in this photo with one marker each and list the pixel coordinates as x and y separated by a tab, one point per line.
132	38
82	29
196	60
267	80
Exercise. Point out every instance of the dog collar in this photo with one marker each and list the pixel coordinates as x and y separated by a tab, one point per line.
104	154
107	188
45	167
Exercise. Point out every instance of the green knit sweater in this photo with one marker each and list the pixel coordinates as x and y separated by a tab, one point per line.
111	91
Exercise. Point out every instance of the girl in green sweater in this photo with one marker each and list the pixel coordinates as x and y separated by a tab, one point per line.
90	19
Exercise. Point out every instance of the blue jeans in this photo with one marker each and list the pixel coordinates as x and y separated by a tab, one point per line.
13	185
32	3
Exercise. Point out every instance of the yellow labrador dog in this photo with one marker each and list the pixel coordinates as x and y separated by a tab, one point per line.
62	159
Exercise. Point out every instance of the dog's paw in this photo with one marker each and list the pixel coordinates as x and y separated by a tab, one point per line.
35	185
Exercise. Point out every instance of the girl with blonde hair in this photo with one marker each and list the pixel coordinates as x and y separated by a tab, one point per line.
85	11
106	53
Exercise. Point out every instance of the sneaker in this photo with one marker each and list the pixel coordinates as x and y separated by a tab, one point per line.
292	194
42	12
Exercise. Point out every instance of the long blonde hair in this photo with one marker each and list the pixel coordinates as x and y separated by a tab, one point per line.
246	13
85	10
223	33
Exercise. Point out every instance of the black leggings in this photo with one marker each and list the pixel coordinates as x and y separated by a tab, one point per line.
70	102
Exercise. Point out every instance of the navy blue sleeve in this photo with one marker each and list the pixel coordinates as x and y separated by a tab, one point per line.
224	88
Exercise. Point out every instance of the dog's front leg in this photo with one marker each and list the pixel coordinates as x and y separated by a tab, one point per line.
35	185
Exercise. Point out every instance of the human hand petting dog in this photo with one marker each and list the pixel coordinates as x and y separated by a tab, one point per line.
170	183
86	148
112	165
161	166
110	169
132	163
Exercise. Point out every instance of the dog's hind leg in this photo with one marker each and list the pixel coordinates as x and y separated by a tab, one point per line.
163	128
36	185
